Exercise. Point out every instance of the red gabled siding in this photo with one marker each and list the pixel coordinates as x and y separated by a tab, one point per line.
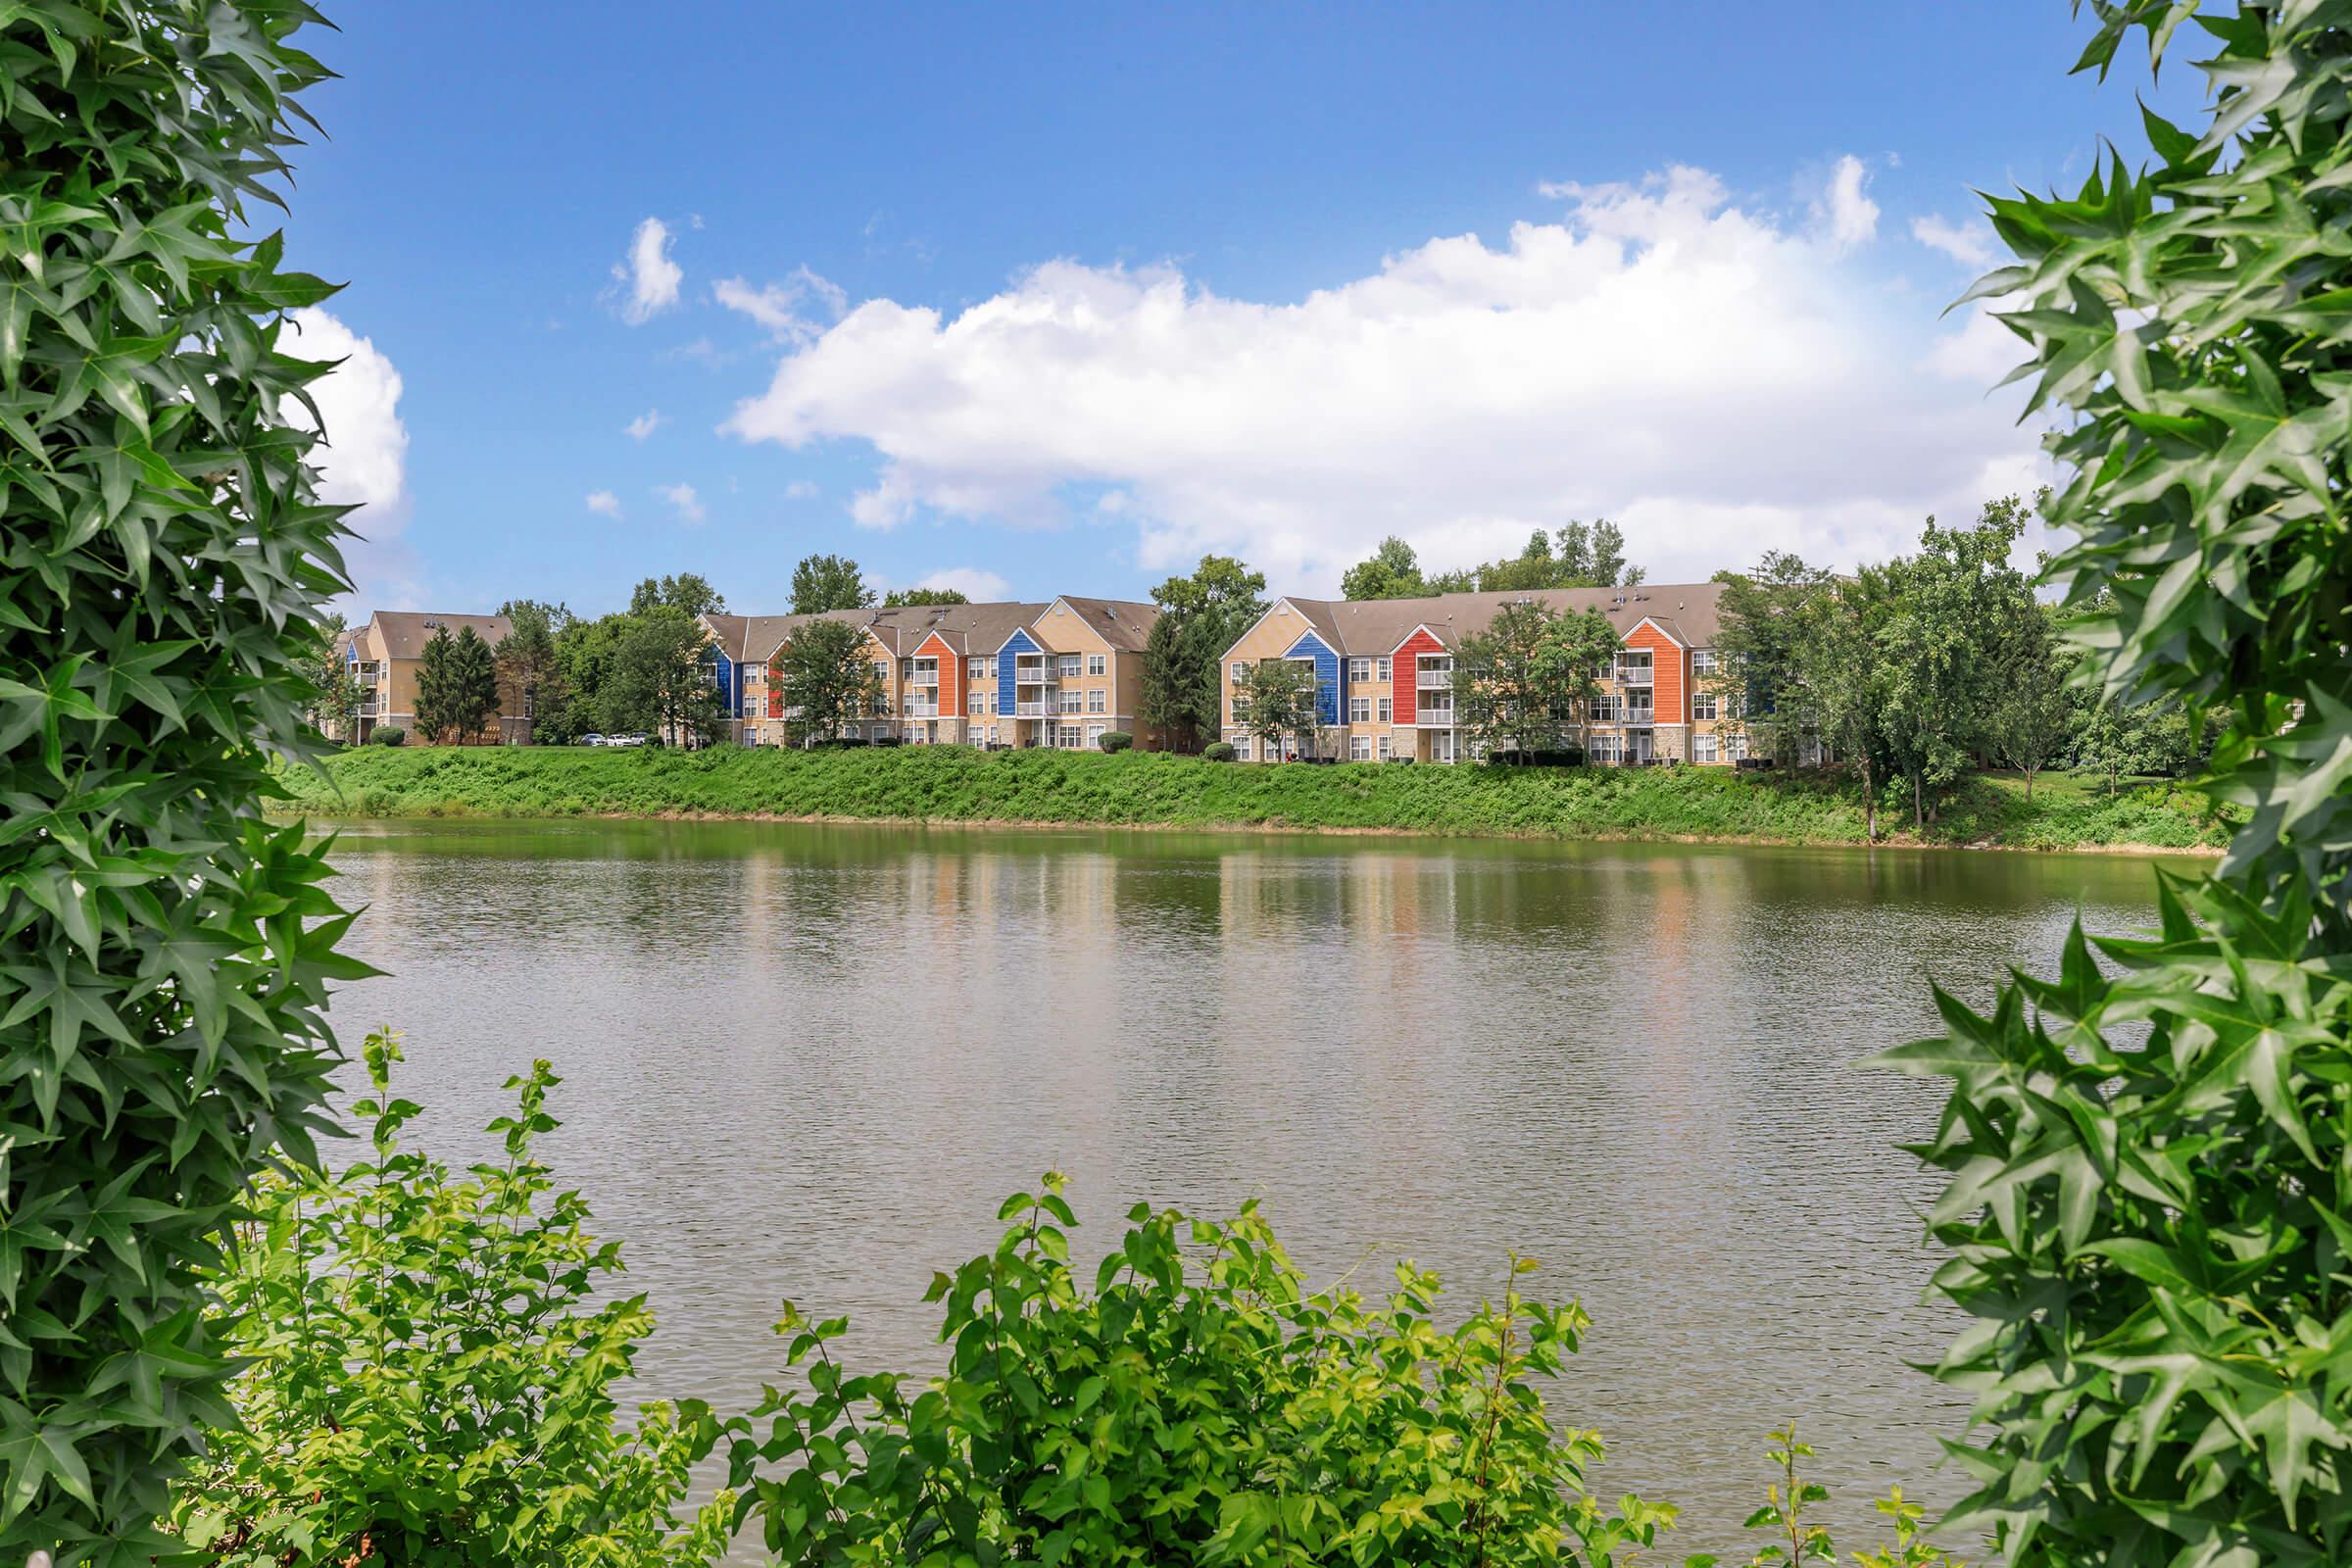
1405	670
950	674
1666	658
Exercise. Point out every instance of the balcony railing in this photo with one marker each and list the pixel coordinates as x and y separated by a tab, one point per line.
1637	675
1434	713
1031	711
919	708
1434	680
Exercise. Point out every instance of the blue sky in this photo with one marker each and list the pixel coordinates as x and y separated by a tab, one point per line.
1053	299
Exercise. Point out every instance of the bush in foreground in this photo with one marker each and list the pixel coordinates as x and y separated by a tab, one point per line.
430	1375
1116	740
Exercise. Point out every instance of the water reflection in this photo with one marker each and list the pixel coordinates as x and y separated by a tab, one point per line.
807	1061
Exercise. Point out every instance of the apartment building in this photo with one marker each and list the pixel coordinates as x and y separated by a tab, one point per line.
1383	672
384	655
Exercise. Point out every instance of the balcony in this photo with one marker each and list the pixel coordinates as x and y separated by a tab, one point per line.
1032	710
1439	713
1434	680
922	707
1637	674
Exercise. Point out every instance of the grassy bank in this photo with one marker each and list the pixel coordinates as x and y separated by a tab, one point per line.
951	784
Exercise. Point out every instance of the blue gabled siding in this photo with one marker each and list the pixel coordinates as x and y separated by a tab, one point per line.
1327	674
1020	642
730	689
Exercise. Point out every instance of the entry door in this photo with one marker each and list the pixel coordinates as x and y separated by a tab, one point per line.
1638	746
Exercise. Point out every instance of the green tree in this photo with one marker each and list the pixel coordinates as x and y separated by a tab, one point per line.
1951	605
826	676
531	677
1609	569
472	685
2030	713
1843	680
1276	703
437	701
337	710
907	597
164	562
1202	616
1393	571
1759	684
2149	1154
689	593
587	651
1526	683
828	582
662	680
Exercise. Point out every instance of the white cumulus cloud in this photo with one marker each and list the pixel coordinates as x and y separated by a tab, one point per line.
363	458
1720	379
649	276
683	501
979	586
785	308
642	425
1847	213
603	503
1971	245
800	490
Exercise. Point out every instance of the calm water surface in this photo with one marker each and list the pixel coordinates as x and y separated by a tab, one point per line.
809	1061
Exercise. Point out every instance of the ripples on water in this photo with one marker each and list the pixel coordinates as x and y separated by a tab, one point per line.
809	1060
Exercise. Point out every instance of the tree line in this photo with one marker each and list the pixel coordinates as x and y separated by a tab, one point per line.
1577	554
1914	672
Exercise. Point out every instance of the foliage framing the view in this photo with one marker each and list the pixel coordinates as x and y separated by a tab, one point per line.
163	561
1196	1404
2150	1209
430	1377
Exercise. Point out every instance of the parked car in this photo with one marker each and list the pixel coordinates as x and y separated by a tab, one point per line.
624	740
592	740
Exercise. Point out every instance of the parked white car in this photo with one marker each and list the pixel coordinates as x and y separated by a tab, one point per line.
592	740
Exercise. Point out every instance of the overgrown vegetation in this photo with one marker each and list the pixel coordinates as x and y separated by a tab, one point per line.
2151	1206
430	1359
950	783
163	561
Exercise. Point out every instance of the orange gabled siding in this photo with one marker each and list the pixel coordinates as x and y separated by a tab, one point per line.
950	674
1666	656
1405	674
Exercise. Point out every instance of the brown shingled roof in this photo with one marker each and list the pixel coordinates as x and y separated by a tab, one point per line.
1124	623
966	629
405	631
1373	627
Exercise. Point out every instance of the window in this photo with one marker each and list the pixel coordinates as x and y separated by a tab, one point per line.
1359	710
1241	747
1240	672
1703	704
881	671
971	668
1385	672
1070	666
1096	700
1358	670
1703	748
1070	739
1094	735
1702	662
1359	748
1604	749
1735	747
1096	663
906	667
1387	709
855	732
1604	708
1070	700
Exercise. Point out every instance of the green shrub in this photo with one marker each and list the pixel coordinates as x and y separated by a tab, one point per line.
1116	740
388	735
430	1372
2149	1211
1196	1405
1218	751
164	559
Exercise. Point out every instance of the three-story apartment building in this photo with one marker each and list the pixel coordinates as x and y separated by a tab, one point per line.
1383	672
384	655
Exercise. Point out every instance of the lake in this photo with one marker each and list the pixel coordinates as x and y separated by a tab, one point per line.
810	1062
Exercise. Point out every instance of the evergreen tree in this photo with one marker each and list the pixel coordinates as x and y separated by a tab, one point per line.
436	689
1200	616
531	677
472	685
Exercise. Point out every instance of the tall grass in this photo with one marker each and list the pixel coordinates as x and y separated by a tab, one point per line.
955	784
